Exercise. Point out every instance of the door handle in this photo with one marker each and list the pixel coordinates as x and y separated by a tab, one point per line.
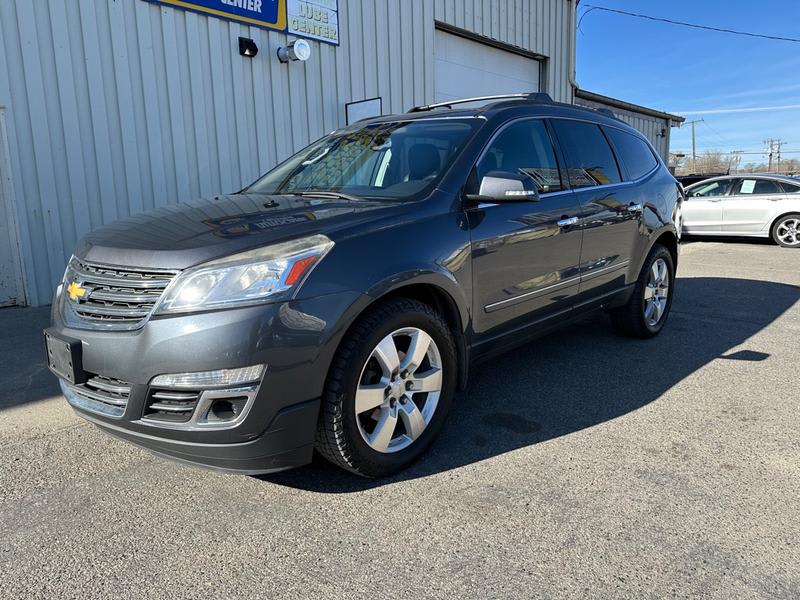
567	221
634	208
714	199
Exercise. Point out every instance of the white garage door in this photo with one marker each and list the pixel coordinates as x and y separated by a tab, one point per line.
466	68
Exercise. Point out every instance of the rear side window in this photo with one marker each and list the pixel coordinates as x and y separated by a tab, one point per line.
790	188
748	187
633	152
590	160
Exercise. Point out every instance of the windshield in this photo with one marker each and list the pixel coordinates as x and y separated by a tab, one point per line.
397	160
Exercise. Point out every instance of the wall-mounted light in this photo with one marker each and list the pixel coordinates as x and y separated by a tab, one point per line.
295	50
247	47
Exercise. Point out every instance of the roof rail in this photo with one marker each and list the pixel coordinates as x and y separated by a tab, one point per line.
607	112
536	97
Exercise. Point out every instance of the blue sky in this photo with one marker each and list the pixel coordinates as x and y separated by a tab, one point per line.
699	74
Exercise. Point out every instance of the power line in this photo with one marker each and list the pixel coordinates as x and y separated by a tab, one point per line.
751	152
592	7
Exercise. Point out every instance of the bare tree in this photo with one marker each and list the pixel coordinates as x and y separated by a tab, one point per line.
709	162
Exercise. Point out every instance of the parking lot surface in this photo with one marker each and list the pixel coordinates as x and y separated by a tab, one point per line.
583	465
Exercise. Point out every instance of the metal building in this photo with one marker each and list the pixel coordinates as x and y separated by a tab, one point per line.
654	124
109	108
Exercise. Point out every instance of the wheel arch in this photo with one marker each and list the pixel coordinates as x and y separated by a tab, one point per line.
669	240
436	290
771	228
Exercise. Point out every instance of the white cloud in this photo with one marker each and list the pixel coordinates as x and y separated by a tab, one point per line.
747	109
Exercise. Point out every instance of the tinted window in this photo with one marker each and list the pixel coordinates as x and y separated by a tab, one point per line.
790	188
709	189
633	152
590	160
758	186
525	147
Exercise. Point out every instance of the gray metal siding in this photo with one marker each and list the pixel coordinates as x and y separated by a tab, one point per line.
117	107
650	126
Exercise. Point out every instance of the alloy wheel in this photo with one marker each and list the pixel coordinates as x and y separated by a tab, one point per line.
788	231
656	292
398	390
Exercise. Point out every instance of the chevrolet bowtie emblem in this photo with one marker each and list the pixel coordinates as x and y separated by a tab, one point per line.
76	292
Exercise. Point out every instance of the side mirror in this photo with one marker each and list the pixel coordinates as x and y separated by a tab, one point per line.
502	186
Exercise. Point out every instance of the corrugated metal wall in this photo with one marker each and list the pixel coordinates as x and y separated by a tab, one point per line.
114	107
652	127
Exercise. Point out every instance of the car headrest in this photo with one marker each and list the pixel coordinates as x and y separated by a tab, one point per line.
423	161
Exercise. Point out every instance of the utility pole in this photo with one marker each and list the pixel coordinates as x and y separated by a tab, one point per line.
735	160
773	149
694	145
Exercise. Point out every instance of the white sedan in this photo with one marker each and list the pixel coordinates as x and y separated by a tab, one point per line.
745	205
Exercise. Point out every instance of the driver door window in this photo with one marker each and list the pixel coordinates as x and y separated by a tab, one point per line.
523	147
711	190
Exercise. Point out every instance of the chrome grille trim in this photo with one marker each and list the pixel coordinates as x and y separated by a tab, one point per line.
176	410
170	407
102	395
118	298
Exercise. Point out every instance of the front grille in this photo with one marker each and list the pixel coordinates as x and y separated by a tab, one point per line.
114	297
171	406
104	395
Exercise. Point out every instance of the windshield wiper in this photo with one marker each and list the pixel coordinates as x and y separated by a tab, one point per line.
325	194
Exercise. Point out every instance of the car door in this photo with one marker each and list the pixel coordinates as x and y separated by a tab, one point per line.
702	210
524	254
751	205
610	209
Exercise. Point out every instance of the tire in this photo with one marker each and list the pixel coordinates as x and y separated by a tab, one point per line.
360	367
633	319
786	231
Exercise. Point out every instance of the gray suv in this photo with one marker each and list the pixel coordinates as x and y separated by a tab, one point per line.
337	303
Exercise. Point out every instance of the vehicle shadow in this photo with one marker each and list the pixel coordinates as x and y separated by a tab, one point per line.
580	377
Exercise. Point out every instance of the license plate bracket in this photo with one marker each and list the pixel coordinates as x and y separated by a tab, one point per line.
65	357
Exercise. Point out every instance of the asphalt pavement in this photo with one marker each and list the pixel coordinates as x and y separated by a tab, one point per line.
582	465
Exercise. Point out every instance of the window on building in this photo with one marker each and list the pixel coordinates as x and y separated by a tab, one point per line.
634	153
524	147
590	160
752	187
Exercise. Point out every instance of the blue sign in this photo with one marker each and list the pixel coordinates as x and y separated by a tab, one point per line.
270	14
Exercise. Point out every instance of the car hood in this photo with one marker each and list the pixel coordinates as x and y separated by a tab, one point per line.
187	234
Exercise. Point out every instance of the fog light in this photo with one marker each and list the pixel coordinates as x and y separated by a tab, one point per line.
201	379
227	409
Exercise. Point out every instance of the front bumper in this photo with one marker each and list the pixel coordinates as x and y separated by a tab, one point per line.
296	341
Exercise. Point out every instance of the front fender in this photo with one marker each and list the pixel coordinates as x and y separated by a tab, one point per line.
442	279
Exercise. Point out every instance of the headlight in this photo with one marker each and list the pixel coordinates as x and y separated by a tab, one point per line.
251	277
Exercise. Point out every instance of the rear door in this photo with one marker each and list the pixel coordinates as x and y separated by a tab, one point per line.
702	210
751	205
610	208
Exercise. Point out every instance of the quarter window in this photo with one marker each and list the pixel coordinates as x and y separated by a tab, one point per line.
523	147
790	188
590	160
633	152
754	187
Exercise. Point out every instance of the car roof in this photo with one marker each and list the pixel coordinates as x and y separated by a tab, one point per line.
521	104
772	176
